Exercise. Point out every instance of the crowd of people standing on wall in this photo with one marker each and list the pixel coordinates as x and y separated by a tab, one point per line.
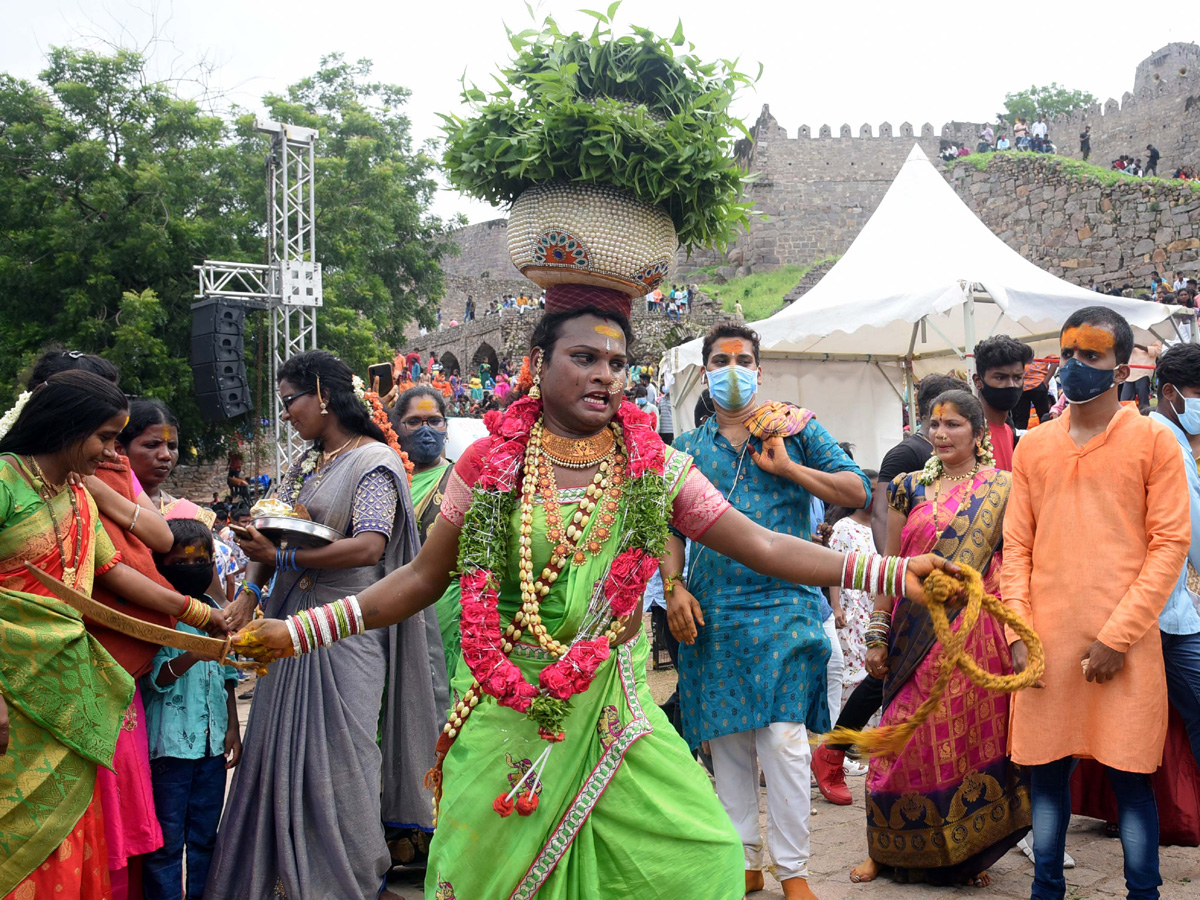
1011	470
1034	137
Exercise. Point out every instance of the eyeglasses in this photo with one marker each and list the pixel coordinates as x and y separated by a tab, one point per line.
412	423
291	398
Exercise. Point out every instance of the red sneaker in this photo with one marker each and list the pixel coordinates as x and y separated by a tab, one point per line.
827	768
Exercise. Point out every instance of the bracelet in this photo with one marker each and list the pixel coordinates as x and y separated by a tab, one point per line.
285	560
324	625
172	671
670	581
874	574
137	511
195	613
253	589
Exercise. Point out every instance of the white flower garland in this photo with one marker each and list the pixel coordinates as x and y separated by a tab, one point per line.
7	420
360	391
983	453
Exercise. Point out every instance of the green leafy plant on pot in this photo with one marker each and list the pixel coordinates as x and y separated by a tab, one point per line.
612	150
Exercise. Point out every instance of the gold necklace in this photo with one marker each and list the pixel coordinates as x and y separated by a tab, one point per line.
329	456
937	494
608	478
577	453
69	572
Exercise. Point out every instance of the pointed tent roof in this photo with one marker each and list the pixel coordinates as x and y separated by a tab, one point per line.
925	276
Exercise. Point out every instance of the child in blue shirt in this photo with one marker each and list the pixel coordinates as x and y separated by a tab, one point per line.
192	728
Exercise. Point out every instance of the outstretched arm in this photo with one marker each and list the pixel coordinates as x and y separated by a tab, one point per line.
135	587
402	593
794	559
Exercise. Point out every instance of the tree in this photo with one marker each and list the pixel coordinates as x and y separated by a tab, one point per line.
114	188
1051	101
111	193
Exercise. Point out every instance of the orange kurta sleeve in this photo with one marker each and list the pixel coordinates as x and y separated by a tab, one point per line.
1169	534
1018	546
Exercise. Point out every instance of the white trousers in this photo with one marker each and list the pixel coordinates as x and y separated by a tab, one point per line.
783	751
833	671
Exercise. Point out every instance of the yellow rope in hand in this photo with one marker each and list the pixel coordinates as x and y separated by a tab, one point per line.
942	589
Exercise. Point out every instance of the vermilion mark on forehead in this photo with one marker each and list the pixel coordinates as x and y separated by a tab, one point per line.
732	346
1088	337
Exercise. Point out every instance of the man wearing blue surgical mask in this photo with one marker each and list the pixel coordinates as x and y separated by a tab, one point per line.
1096	532
1179	410
764	671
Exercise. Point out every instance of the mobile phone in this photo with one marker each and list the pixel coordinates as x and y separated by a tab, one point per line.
382	371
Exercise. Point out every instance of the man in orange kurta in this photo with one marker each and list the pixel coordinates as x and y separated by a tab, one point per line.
1095	534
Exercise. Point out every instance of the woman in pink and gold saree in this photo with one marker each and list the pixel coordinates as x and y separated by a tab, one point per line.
950	803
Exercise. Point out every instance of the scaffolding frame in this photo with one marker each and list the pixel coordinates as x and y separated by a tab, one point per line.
288	287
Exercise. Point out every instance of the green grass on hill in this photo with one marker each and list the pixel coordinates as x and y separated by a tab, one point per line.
1077	167
762	293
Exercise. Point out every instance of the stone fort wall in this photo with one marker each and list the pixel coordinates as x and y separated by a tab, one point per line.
1078	228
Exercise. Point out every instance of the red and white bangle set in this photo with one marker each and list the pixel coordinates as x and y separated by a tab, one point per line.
874	574
323	625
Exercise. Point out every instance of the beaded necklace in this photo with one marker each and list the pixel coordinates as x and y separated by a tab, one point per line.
70	573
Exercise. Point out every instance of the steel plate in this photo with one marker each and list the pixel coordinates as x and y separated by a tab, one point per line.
286	531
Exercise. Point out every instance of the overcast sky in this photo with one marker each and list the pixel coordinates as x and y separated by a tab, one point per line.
823	63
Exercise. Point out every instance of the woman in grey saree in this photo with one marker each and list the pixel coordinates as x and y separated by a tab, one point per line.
322	765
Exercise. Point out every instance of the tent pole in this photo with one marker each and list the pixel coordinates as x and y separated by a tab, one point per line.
969	330
910	390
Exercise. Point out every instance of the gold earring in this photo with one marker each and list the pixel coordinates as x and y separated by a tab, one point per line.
535	391
324	410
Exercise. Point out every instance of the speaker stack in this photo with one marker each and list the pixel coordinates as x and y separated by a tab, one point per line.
218	360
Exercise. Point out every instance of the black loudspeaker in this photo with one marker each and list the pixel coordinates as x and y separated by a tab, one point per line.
218	362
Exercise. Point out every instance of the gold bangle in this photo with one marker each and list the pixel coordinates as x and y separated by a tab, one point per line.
137	511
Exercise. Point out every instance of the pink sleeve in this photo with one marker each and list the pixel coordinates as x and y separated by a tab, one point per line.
697	506
137	485
455	501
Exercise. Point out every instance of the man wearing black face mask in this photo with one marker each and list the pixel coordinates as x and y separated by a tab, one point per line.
999	381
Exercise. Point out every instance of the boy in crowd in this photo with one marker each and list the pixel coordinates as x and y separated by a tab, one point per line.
1096	533
999	378
192	729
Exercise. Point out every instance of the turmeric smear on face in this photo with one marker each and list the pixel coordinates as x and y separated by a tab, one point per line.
1088	337
609	332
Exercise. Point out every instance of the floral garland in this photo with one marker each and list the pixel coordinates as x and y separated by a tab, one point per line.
10	417
483	561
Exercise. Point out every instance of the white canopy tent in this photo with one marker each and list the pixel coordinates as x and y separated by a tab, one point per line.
923	281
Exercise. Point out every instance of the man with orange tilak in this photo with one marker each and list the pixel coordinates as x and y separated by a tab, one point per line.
753	669
1095	535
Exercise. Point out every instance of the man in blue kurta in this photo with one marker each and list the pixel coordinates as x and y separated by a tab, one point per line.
752	668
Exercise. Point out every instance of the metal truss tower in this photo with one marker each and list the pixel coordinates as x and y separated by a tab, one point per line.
288	287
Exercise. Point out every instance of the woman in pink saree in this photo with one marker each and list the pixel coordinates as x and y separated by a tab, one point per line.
950	804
